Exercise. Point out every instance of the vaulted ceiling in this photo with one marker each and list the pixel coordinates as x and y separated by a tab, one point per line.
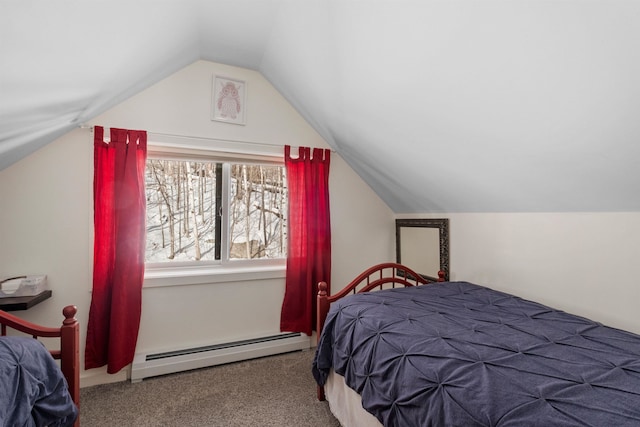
440	105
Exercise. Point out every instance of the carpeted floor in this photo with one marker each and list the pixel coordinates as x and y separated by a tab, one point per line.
271	391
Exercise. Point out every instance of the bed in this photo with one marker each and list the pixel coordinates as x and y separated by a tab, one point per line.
36	390
460	354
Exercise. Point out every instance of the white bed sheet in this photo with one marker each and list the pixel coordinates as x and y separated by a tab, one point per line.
346	405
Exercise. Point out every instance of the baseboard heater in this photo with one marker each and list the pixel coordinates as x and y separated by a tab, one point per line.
151	365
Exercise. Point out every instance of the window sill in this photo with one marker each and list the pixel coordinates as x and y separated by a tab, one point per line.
180	276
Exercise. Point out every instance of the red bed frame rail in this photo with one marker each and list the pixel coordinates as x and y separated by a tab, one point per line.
69	349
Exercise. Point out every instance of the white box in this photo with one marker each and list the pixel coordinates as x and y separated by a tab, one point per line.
23	286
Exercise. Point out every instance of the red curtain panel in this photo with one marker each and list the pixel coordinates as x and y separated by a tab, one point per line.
119	242
309	240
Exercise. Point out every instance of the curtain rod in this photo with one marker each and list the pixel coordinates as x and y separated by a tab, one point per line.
203	138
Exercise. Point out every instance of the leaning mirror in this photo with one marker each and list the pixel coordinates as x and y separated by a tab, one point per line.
423	246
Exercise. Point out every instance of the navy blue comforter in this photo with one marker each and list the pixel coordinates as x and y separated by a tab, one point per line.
33	391
458	354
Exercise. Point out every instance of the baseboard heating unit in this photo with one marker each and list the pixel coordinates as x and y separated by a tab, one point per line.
151	365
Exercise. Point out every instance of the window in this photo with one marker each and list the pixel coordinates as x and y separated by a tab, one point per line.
207	211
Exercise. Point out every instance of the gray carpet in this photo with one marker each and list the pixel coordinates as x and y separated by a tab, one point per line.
271	391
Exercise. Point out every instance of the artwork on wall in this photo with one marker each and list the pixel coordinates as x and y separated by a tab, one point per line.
229	100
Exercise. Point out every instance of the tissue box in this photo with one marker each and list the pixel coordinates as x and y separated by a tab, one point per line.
23	286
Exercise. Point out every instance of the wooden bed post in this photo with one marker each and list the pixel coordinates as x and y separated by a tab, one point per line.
322	305
70	353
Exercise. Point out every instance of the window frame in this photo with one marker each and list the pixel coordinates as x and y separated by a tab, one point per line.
159	274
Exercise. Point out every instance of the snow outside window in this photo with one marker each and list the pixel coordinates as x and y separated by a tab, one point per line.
207	212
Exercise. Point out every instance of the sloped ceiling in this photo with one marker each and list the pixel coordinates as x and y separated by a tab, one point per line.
441	106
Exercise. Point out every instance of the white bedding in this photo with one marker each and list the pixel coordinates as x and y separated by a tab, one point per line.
346	405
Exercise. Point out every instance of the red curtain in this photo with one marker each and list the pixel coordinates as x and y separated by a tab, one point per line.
309	250
118	252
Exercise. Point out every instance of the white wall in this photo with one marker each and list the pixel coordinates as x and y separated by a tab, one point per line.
46	223
583	263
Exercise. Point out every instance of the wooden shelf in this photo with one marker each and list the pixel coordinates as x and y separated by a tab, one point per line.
23	303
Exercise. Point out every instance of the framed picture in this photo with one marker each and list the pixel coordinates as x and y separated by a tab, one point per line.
229	100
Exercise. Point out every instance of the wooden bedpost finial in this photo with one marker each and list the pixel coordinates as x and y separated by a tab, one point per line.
69	313
441	276
322	289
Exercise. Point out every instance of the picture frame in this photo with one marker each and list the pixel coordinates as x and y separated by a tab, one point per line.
229	100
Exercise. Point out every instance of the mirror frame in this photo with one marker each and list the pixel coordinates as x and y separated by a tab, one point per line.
442	224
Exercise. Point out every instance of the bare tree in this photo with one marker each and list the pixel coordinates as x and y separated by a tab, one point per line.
246	183
160	175
190	202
